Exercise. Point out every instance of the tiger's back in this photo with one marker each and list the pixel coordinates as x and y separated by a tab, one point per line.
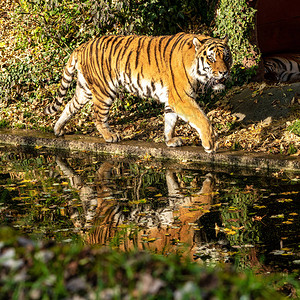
167	68
129	62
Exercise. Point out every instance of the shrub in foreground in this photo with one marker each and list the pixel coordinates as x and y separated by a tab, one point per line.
34	270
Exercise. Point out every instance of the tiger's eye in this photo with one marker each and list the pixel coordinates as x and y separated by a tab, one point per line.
211	58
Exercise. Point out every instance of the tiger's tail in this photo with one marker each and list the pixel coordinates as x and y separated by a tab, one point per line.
66	80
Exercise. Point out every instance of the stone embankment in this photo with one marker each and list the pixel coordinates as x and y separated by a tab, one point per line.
193	154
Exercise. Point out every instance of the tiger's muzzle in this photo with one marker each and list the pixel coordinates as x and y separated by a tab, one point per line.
217	83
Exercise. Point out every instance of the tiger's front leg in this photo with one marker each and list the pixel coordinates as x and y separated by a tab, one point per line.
189	111
101	108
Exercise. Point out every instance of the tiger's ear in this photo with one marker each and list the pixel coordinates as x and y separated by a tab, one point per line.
197	44
225	39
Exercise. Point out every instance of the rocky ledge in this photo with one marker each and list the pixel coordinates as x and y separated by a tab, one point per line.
185	154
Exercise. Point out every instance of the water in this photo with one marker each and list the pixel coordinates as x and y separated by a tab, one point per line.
212	215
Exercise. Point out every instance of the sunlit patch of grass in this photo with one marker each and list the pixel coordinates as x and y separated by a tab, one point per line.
292	149
295	127
4	123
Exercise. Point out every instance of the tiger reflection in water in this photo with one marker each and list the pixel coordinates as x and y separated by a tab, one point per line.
160	229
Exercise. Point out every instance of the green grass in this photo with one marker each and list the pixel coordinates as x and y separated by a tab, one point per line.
4	123
295	127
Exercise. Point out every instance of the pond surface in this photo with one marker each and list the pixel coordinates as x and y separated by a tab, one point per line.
212	215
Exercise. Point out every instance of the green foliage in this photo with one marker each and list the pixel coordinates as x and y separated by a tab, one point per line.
68	23
30	77
56	271
295	127
235	18
157	17
292	149
129	105
240	75
4	123
236	146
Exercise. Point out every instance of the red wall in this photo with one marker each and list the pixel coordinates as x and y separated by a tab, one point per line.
278	26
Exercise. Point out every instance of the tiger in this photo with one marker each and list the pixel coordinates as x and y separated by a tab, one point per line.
171	69
102	217
282	67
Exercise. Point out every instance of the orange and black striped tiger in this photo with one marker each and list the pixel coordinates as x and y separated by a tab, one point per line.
171	69
102	217
282	67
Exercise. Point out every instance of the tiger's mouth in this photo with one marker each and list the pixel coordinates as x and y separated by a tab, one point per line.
222	80
217	85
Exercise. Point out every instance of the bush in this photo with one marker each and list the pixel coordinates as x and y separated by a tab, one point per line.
59	271
236	19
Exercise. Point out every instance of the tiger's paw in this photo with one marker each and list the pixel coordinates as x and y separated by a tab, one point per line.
174	142
113	138
59	131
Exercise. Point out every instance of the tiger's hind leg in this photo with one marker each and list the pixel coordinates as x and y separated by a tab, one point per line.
170	123
81	97
101	107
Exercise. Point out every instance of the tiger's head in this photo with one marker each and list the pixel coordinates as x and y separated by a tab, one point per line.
213	61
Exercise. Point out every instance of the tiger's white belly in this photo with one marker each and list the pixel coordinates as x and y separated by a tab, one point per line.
144	88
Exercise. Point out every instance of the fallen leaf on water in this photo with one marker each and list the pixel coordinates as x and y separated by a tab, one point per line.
287	222
259	206
257	218
232	208
216	205
280	216
277	252
284	200
289	193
